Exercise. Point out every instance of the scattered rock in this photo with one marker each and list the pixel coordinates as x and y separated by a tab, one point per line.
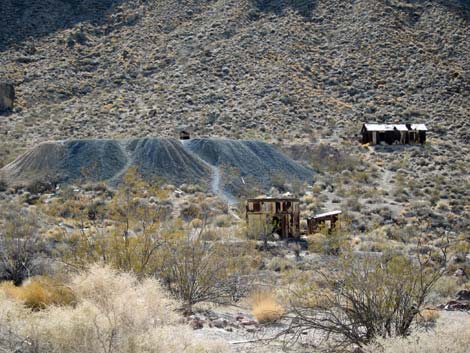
463	294
455	305
247	322
219	323
196	324
460	272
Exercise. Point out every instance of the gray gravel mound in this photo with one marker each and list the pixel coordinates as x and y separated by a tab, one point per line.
194	161
92	160
255	159
41	162
167	159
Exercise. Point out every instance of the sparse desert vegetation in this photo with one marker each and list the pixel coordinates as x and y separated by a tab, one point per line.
116	237
112	312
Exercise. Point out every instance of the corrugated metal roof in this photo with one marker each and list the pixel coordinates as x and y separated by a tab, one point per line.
272	199
419	127
331	213
391	127
385	127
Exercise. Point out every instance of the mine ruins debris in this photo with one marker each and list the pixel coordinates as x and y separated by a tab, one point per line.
391	134
184	132
328	220
274	215
185	135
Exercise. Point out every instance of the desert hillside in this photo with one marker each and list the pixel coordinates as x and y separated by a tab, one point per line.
274	227
303	75
271	69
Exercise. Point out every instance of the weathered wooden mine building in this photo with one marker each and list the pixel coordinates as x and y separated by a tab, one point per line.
328	220
184	132
274	215
393	133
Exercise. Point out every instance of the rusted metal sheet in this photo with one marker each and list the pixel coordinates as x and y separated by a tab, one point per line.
328	220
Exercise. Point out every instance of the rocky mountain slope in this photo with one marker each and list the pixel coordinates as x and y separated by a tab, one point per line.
229	67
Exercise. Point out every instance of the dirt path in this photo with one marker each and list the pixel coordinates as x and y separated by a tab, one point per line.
123	145
216	185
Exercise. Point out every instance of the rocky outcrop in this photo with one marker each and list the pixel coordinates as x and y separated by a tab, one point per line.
461	302
7	97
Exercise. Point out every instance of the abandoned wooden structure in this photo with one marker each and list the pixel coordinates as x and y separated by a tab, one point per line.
266	216
184	135
184	132
328	220
393	133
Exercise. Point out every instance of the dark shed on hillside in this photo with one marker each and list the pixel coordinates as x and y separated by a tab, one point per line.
393	133
184	132
185	135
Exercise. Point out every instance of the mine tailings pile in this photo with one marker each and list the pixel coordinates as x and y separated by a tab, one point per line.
223	166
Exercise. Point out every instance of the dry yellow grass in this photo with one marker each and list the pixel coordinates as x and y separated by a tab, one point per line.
114	312
39	292
428	316
265	307
451	335
355	241
316	242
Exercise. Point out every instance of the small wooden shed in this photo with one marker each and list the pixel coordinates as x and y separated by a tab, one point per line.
184	135
184	132
393	133
329	220
274	215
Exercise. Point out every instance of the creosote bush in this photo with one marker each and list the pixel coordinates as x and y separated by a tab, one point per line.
365	297
21	248
197	270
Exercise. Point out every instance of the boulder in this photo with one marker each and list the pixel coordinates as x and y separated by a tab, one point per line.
463	294
7	97
219	323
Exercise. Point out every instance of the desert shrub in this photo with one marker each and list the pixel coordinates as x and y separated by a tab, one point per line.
330	159
279	264
40	186
365	298
223	221
114	313
329	243
445	287
39	292
196	270
448	336
316	242
192	211
265	307
259	229
137	253
138	230
21	248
